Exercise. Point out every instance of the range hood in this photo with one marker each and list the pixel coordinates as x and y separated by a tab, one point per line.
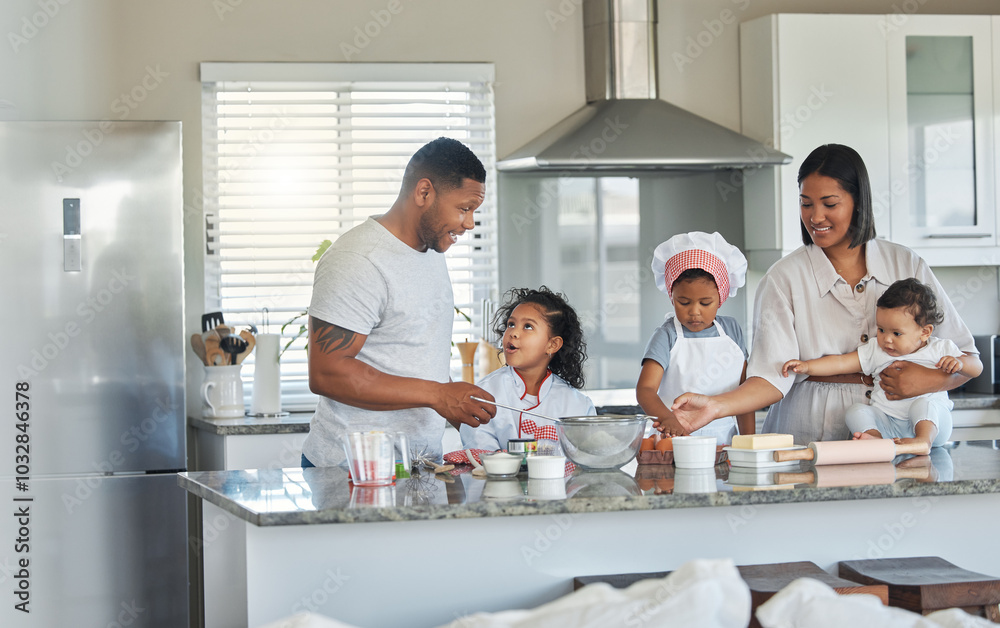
625	126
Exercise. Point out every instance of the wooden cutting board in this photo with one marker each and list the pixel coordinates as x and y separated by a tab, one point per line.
928	583
763	580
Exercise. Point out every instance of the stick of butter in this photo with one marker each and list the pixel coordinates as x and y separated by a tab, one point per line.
762	441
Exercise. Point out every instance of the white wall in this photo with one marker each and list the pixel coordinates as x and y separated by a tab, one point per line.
87	53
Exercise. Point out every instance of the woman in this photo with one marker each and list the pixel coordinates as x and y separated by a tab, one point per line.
820	300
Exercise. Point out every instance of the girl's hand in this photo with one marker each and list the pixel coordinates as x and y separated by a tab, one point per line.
950	364
669	426
797	366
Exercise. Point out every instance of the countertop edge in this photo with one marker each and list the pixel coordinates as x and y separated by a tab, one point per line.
906	488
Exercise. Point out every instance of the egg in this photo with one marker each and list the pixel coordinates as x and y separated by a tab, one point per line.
665	445
647	444
646	485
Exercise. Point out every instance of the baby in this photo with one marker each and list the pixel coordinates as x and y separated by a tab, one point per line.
905	316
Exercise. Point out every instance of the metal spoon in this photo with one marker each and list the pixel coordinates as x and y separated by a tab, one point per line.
500	405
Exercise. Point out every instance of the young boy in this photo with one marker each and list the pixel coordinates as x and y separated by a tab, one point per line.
906	315
695	350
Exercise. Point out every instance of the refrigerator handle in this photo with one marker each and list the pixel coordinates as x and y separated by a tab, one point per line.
72	238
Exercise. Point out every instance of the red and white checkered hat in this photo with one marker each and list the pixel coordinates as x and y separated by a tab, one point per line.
707	251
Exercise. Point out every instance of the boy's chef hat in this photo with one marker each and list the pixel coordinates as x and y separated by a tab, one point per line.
697	249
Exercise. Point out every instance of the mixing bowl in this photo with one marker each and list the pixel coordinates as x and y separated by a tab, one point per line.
605	441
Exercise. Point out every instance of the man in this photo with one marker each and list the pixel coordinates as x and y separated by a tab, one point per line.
380	320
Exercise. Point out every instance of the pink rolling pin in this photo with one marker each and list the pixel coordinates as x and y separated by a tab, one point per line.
864	474
850	451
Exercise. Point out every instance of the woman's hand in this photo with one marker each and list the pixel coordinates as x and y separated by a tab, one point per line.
903	380
693	411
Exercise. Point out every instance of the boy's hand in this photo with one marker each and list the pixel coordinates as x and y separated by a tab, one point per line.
950	364
797	366
669	426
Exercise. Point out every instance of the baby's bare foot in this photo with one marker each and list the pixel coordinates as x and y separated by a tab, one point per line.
866	435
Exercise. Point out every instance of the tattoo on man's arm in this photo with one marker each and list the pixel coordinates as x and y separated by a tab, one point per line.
330	338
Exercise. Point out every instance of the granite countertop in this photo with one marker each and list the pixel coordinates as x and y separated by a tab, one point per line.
607	402
323	495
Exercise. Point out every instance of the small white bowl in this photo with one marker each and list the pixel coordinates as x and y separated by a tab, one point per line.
501	464
546	467
694	452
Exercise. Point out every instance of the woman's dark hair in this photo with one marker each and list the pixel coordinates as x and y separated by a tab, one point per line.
691	274
844	164
918	299
562	320
446	162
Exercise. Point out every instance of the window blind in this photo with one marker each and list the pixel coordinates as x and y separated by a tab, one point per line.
295	154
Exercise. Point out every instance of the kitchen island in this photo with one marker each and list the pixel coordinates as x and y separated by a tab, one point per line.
434	548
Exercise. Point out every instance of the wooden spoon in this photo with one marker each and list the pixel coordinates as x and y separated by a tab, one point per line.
248	336
198	344
214	355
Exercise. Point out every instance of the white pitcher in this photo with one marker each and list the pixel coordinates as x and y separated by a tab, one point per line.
222	392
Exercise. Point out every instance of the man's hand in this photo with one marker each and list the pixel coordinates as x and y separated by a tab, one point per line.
455	404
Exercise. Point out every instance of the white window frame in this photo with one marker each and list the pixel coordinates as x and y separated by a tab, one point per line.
242	140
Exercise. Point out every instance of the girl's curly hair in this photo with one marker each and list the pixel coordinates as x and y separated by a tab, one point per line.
562	320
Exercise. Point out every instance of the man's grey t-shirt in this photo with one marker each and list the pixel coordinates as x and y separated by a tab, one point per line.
372	283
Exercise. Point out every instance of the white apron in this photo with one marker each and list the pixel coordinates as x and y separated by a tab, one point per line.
708	366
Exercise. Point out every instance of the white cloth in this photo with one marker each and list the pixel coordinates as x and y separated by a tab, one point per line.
699	594
804	310
861	418
709	366
372	283
733	259
874	359
556	399
808	603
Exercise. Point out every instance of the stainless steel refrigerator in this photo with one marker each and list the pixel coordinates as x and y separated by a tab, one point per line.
93	524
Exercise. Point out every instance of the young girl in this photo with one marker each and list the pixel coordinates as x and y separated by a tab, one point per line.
544	349
905	316
694	350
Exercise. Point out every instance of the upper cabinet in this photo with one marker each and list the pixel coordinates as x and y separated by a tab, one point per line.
941	132
914	95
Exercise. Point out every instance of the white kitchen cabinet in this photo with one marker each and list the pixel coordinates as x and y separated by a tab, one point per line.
941	133
808	80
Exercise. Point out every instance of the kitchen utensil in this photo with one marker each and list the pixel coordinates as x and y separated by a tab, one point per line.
222	392
546	467
512	408
478	470
468	352
248	337
223	330
211	320
863	474
850	451
502	464
198	345
214	355
605	441
371	458
694	452
234	346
